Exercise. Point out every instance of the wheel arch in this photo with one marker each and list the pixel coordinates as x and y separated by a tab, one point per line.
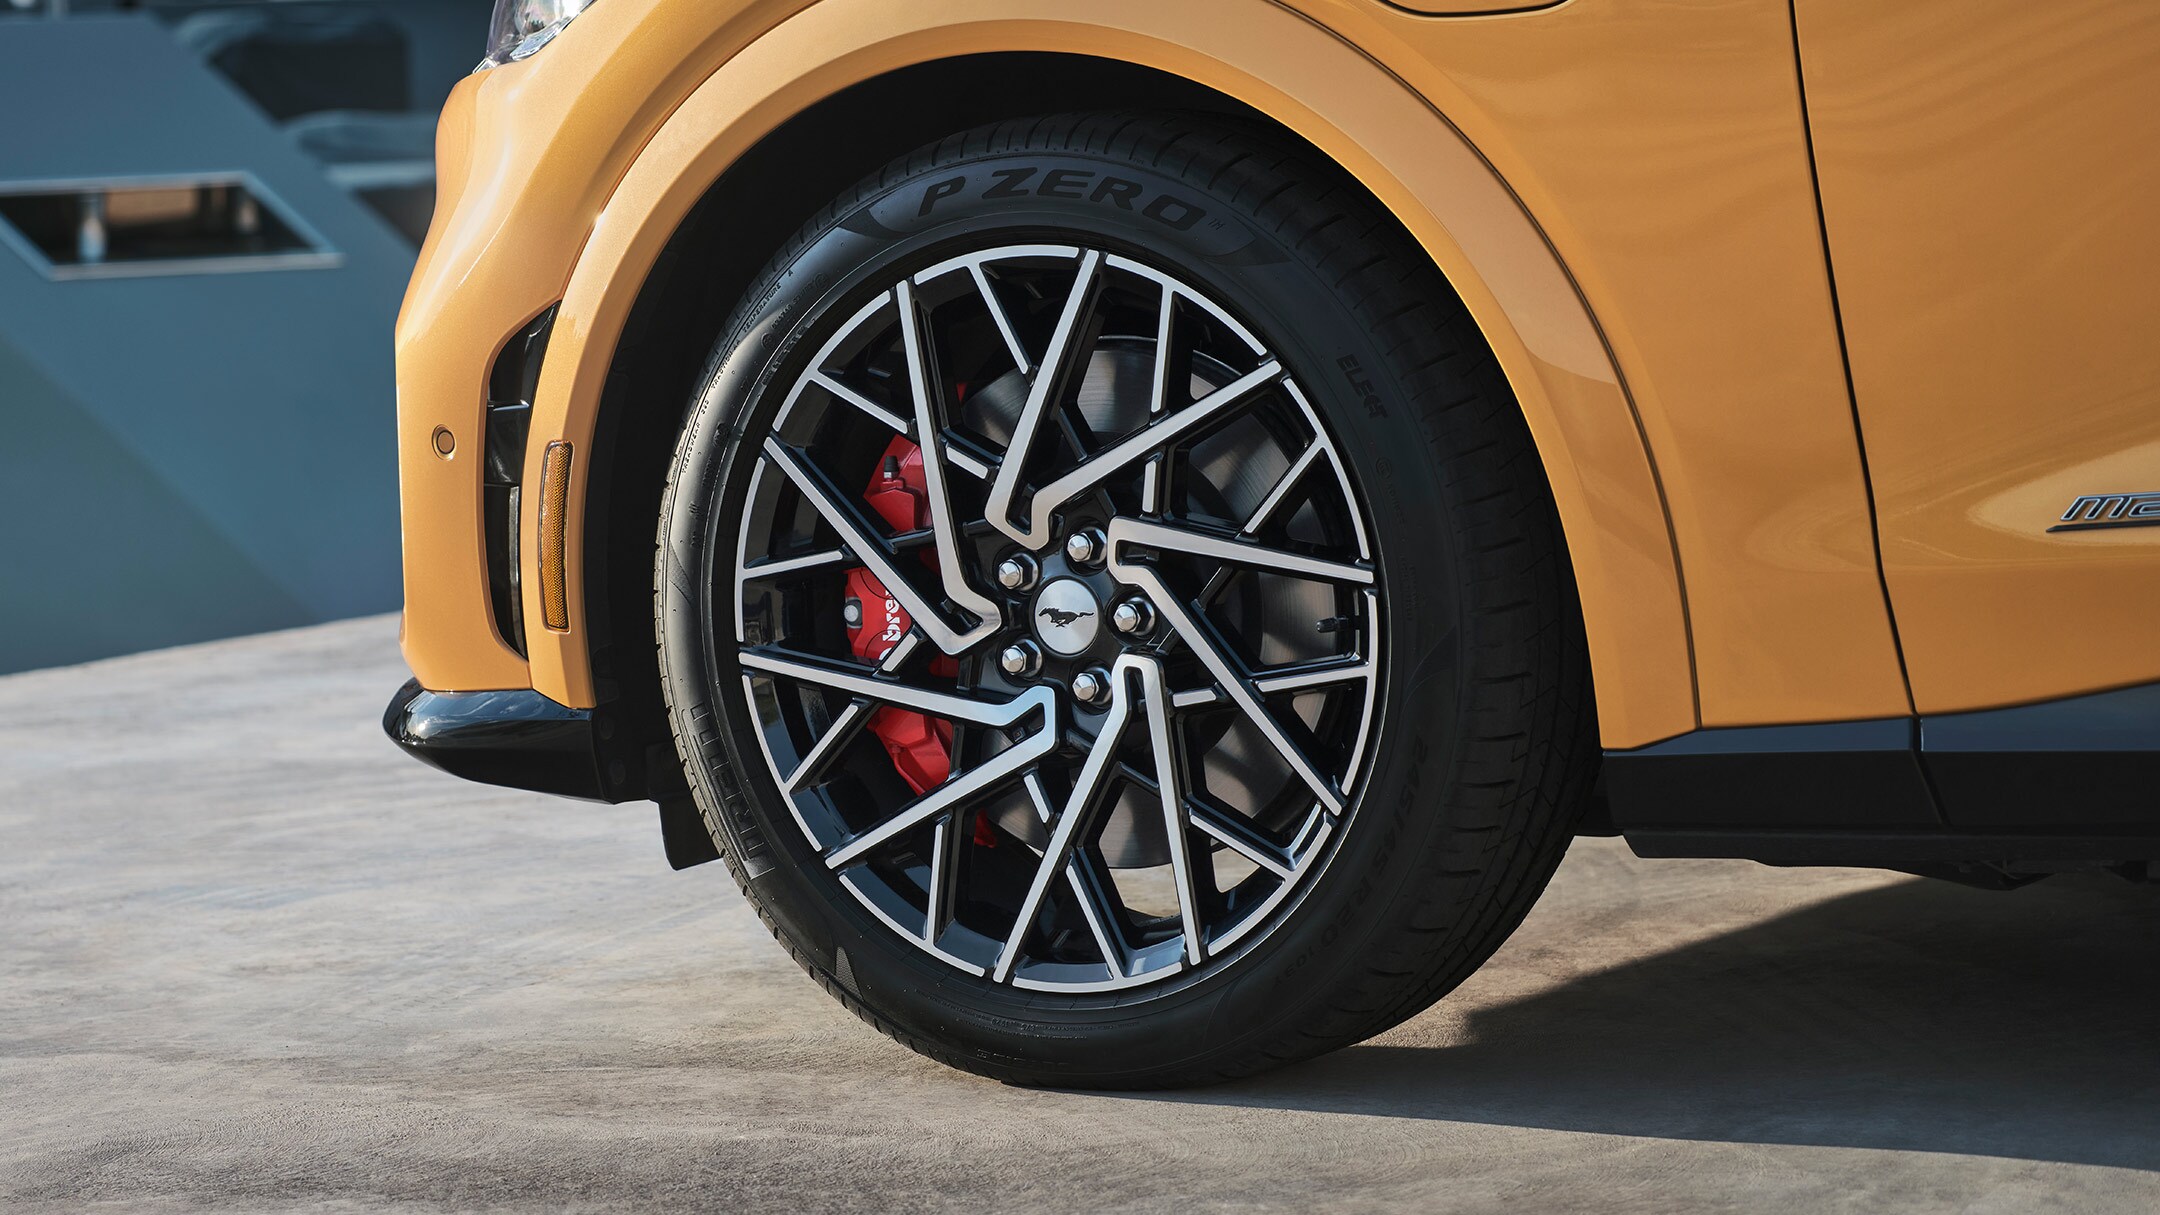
807	109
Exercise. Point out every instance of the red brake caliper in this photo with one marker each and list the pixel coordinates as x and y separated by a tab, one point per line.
920	745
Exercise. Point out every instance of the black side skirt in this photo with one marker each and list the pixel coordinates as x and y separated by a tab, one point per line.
2065	782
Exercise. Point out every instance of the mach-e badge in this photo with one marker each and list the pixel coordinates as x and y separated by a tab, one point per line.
2095	511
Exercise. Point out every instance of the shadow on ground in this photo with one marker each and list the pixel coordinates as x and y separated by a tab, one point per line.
1920	1016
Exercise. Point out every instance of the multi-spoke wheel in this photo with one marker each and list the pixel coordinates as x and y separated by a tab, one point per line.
1120	599
1109	613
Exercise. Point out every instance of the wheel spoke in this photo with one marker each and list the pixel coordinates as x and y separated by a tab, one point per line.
1170	788
958	792
821	376
946	797
1156	435
1087	891
1036	795
1281	493
1232	831
872	552
1088	796
1155	475
902	650
781	567
1297	677
1229	675
835	738
1003	322
1047	385
1193	542
856	681
968	462
1165	353
833	385
945	839
1154	483
929	437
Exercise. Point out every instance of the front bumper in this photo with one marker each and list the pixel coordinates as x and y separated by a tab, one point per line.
516	738
521	739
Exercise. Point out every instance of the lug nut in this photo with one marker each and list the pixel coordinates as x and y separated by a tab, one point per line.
1092	686
1017	572
1133	617
1084	547
1020	659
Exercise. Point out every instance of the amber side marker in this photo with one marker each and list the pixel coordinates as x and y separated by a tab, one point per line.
554	505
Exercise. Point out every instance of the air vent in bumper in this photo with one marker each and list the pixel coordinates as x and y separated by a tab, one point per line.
511	388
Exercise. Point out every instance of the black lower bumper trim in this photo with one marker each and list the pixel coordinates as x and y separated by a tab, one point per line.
520	739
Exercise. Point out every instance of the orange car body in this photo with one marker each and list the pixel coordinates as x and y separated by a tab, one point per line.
1822	315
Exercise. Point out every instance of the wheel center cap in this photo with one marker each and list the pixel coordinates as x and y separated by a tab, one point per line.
1066	616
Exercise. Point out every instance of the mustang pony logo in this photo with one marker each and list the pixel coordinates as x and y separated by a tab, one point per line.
1060	617
2094	511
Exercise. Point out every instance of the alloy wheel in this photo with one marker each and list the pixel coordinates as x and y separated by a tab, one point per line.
1057	613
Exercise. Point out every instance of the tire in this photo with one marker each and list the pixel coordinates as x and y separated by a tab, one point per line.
1470	744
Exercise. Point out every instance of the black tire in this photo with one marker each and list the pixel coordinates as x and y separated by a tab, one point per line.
1485	729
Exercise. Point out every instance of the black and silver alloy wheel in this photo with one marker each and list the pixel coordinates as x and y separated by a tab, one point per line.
1125	802
1110	612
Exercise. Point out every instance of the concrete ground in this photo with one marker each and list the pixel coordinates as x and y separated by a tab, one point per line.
253	958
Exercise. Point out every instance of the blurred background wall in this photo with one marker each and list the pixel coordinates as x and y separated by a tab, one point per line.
207	215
